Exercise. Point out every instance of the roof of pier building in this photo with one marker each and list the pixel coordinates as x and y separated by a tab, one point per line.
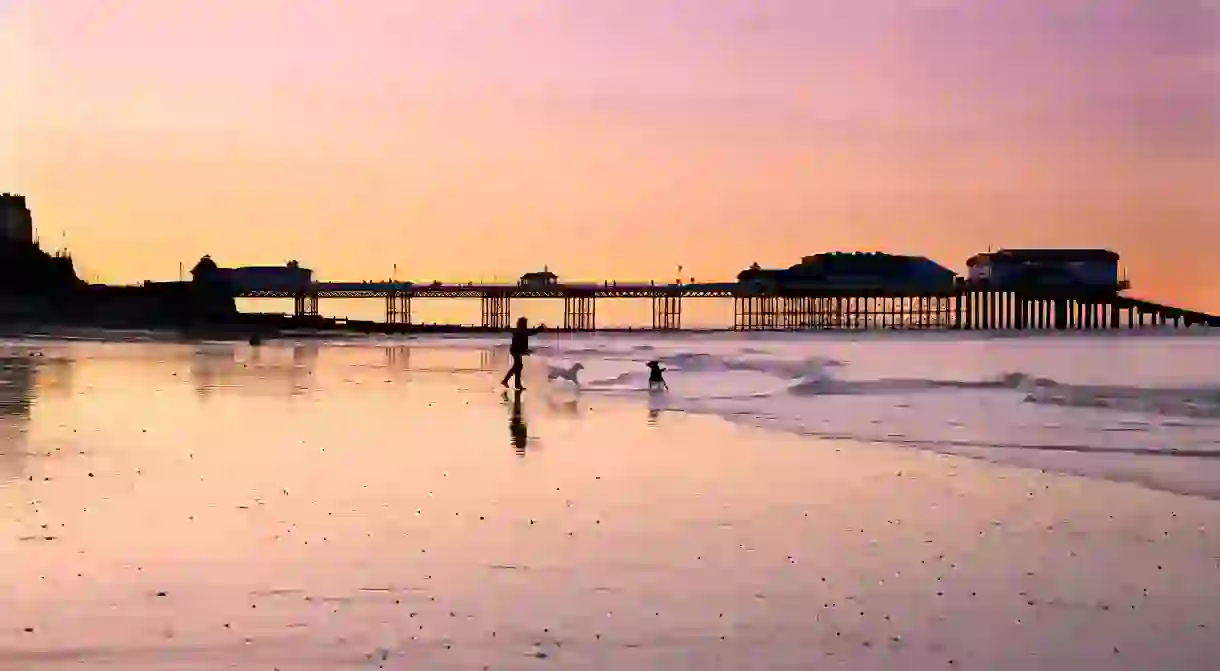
252	277
1044	256
291	267
868	268
539	275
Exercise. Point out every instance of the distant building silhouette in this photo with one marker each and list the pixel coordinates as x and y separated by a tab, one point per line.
16	222
26	270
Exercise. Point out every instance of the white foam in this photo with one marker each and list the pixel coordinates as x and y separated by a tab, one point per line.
1143	409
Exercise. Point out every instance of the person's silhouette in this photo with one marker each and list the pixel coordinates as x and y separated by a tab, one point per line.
517	431
519	349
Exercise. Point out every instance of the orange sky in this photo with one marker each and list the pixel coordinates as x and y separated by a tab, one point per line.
471	140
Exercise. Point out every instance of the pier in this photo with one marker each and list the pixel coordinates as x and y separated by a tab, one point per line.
967	307
1004	290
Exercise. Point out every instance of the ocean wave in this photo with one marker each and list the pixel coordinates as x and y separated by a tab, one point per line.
783	368
825	376
1200	402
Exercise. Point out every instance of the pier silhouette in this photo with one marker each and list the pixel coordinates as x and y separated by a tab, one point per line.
964	306
1028	289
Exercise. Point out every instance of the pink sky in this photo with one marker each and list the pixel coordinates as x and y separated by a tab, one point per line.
462	139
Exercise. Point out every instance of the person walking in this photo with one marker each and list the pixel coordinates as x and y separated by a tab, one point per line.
519	349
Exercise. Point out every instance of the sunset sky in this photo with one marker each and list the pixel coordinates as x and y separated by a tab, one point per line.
467	139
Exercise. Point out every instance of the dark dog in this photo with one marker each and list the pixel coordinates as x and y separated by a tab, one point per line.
656	377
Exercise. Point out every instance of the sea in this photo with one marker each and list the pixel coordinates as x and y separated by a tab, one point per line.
1141	408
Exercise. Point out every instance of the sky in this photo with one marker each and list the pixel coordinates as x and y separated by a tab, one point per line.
613	139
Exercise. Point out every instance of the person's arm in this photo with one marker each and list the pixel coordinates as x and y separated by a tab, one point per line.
537	329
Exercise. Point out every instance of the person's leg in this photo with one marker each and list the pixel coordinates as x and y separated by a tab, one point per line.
511	370
518	366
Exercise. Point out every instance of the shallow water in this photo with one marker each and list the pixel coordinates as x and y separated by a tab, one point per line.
1142	408
348	505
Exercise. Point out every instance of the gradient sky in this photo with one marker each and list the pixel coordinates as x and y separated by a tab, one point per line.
464	139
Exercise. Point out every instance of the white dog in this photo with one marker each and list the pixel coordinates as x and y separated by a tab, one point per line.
569	374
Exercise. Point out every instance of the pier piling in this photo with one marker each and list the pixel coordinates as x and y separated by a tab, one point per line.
755	313
496	313
579	312
667	311
305	305
398	307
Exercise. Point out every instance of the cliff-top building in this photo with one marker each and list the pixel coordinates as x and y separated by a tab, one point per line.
16	223
24	268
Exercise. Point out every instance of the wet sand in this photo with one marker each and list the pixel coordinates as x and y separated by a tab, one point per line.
216	507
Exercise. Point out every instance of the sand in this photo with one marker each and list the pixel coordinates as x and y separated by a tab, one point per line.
192	507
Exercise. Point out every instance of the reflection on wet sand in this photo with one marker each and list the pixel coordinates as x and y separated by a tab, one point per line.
253	370
517	430
17	383
565	406
448	361
24	376
398	357
656	405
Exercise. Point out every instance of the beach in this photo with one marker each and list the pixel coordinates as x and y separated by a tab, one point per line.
385	504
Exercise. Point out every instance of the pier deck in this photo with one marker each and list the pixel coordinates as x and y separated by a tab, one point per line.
962	307
472	290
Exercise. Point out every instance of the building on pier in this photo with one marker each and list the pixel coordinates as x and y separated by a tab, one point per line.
539	280
864	270
288	277
1045	268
